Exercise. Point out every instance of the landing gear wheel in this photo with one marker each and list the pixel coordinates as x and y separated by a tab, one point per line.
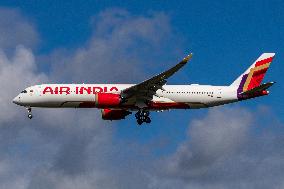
137	115
145	113
142	116
147	120
30	116
139	121
30	112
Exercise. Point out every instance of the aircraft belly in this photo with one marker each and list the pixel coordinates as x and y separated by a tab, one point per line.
174	102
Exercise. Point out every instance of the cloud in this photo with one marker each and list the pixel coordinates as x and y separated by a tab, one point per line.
216	136
17	62
16	73
120	49
223	151
77	151
16	29
47	145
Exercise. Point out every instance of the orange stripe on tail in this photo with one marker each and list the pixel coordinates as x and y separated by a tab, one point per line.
257	73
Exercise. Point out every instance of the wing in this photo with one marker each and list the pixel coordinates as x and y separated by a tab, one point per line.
143	92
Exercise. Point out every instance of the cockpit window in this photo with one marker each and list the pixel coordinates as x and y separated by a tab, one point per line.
24	91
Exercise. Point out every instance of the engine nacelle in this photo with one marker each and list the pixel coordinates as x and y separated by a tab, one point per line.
107	100
108	114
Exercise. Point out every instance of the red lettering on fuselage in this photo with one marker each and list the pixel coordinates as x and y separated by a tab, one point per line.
97	90
113	89
47	90
56	90
65	90
78	90
87	89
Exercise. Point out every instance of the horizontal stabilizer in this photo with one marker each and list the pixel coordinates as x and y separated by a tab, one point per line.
258	89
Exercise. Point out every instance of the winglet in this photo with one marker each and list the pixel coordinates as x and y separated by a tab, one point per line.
187	58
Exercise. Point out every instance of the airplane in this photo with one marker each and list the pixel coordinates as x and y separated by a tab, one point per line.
117	101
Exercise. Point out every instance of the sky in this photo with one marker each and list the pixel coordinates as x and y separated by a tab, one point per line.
234	146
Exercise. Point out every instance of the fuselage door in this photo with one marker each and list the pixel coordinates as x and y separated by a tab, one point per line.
219	93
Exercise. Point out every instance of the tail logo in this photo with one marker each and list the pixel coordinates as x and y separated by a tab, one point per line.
255	75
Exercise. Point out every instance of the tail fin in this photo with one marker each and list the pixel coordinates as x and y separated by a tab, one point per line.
253	76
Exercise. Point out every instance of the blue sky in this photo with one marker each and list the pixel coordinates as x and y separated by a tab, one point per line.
225	37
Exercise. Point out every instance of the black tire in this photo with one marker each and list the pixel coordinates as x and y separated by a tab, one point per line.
148	120
146	113
137	115
30	116
139	121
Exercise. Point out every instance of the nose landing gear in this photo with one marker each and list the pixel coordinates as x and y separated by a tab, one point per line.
30	112
30	116
143	116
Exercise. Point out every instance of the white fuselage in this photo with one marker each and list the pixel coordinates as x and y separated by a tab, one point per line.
171	97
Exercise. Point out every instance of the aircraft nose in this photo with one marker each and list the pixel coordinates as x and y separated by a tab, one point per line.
16	100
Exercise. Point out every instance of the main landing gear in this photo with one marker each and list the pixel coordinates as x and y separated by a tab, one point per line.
30	112
143	116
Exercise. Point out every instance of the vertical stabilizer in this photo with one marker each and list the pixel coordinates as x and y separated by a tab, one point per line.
254	75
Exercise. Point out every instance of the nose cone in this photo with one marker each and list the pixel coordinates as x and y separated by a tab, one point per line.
16	100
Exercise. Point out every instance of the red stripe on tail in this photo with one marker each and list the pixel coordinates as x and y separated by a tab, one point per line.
264	61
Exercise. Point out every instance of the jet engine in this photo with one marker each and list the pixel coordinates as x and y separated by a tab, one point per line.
107	100
108	114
